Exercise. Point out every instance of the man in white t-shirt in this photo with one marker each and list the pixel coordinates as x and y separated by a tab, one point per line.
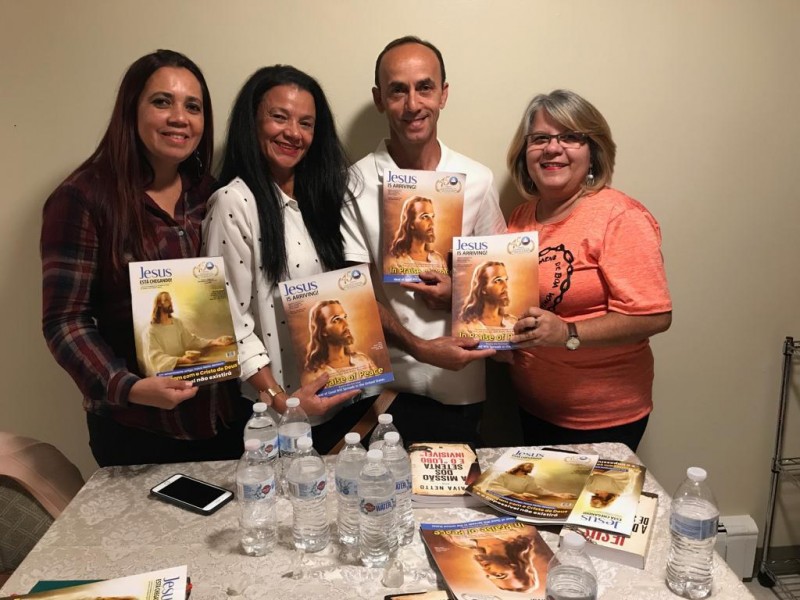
440	378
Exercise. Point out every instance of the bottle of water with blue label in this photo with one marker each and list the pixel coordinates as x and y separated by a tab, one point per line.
255	490
377	533
396	458
693	526
264	428
348	466
294	425
307	482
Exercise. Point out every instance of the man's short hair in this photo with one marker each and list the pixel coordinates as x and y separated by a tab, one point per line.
402	41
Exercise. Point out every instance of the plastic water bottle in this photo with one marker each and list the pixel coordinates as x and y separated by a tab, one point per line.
293	426
385	425
263	428
396	458
308	488
276	416
348	466
255	489
693	525
571	575
377	535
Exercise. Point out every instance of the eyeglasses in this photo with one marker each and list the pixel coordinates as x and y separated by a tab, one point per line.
568	139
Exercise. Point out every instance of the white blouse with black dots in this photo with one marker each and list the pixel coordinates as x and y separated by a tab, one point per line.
231	229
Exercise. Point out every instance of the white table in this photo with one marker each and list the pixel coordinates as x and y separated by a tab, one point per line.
113	528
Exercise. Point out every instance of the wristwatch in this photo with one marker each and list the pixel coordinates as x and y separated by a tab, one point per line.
275	391
573	341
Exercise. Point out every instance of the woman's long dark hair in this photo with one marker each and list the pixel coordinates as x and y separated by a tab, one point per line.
320	178
120	163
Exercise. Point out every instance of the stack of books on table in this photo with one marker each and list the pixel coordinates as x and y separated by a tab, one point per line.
600	498
440	474
629	550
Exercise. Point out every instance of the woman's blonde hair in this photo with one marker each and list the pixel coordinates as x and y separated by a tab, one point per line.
574	113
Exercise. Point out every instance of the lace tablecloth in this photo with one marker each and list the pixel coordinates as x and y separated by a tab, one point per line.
113	528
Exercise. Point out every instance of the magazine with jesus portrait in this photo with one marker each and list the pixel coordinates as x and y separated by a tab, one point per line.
610	497
535	485
421	213
335	328
165	584
498	558
182	321
495	279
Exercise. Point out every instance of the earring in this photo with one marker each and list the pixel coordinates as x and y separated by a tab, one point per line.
590	177
199	161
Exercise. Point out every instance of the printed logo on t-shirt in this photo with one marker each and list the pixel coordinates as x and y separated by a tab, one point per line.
555	271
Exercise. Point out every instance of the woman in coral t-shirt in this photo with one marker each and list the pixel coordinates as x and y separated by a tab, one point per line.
585	373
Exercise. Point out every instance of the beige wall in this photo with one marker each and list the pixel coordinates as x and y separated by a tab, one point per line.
702	98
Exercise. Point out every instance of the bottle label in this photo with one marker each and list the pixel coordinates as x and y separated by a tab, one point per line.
257	491
402	485
308	490
376	509
288	443
347	487
694	529
270	447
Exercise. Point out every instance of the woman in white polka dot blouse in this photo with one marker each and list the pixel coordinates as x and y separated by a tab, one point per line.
284	212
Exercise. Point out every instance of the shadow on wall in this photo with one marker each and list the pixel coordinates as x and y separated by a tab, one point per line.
509	194
366	131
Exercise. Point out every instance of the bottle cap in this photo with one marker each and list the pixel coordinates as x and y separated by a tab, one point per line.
391	437
574	541
292	402
385	419
374	455
259	407
304	443
696	474
252	444
352	438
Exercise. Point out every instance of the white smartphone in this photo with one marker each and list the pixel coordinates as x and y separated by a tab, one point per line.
192	494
